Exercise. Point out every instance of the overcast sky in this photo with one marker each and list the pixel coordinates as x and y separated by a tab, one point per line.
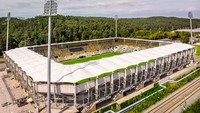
104	8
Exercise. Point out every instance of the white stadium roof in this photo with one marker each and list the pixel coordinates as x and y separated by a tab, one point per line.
189	30
35	65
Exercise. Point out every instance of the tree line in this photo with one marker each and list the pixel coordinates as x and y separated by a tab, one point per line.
33	31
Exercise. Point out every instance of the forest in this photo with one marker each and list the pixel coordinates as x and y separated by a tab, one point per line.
34	31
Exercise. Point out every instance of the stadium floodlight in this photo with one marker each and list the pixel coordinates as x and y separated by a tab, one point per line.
8	20
116	18
190	16
50	8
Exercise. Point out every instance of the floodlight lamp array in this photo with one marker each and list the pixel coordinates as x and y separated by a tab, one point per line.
50	5
8	16
190	15
116	17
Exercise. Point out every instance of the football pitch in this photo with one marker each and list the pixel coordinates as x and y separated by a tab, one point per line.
86	59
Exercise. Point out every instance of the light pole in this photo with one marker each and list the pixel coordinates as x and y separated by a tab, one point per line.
190	15
50	8
116	18
8	20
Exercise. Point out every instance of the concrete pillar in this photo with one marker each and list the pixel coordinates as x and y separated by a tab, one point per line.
119	80
136	74
146	70
131	82
105	93
63	100
111	80
75	100
96	88
88	91
125	75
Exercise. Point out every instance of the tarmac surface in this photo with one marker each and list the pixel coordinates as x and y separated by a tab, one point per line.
8	93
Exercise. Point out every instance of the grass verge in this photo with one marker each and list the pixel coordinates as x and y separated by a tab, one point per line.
1	60
197	47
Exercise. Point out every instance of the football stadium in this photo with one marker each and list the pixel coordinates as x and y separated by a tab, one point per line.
87	73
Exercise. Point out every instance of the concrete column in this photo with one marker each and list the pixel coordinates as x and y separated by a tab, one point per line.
131	77
88	92
27	82
63	100
105	93
75	100
111	83
146	70
96	88
125	75
119	80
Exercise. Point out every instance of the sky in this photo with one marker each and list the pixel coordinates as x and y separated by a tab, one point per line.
104	8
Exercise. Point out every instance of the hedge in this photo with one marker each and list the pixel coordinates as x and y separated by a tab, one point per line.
131	66
119	70
107	108
105	74
152	60
85	80
142	63
68	83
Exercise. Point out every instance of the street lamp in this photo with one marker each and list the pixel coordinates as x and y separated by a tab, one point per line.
116	18
190	16
8	20
50	8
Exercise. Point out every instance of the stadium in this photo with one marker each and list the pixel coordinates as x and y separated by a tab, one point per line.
134	63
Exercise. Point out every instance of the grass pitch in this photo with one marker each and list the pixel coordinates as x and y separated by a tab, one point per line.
197	47
86	59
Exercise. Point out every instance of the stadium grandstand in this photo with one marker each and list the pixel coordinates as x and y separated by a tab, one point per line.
85	85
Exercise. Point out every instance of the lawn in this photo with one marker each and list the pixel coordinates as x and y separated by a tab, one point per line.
197	47
86	59
1	60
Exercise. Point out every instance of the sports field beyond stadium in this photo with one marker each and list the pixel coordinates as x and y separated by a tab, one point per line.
86	59
197	47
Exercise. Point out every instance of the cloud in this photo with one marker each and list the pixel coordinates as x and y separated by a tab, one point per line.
124	8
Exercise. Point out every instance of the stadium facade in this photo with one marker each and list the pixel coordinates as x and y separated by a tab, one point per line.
90	83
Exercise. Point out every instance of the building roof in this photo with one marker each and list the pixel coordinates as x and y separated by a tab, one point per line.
35	65
189	30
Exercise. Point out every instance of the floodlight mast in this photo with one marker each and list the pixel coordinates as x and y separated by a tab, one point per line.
50	8
190	15
8	22
116	18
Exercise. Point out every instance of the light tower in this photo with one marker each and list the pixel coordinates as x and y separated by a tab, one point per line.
50	8
8	21
116	18
190	16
